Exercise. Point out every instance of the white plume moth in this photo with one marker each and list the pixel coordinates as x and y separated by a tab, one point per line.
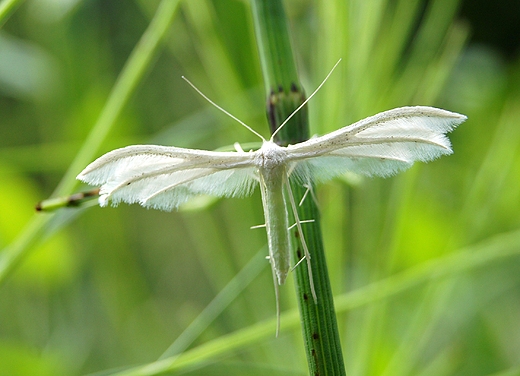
163	177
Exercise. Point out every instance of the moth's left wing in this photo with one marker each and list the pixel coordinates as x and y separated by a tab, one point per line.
162	177
381	145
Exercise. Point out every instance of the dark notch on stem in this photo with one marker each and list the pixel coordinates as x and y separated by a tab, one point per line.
72	201
281	102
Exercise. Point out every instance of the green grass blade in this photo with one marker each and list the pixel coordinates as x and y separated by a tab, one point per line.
7	7
482	254
132	73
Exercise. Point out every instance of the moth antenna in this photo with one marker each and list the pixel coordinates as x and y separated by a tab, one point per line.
221	109
304	102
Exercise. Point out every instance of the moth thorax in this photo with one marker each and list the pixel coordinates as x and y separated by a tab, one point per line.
271	156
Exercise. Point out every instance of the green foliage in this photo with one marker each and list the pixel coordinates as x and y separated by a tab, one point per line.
424	265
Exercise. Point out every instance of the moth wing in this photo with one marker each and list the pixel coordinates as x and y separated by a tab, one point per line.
380	145
162	177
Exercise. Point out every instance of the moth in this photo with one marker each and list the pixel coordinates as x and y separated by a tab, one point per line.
163	177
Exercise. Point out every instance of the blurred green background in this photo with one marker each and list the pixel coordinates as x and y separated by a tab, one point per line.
425	264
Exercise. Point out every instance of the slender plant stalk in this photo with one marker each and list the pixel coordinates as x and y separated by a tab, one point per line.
7	7
285	94
135	68
137	64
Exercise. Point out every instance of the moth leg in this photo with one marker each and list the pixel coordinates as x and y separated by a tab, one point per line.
290	228
302	237
308	190
276	295
293	225
305	194
298	263
238	147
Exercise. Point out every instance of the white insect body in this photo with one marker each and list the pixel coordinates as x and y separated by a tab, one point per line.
163	177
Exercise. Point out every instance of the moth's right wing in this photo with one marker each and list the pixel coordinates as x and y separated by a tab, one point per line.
163	177
381	145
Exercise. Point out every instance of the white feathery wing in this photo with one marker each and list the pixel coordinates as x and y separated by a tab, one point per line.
162	177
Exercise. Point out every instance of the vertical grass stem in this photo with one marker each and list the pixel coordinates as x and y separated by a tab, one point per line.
285	94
